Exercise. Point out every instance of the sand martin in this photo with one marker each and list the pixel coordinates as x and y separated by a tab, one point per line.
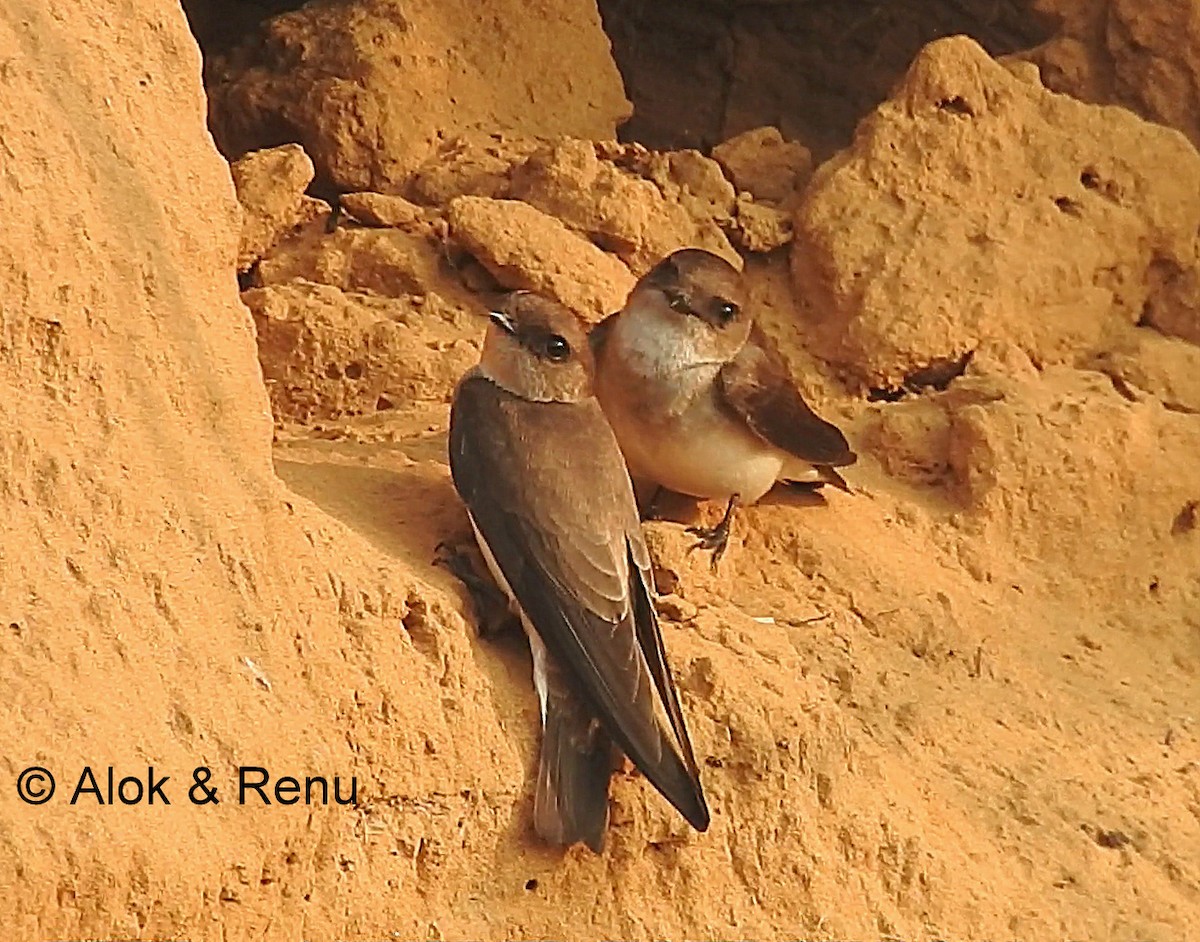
553	510
698	398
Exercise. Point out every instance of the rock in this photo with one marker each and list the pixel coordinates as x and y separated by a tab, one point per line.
370	89
1162	367
624	214
674	608
526	249
1027	458
911	440
685	177
379	209
327	354
270	186
1145	56
470	167
390	262
758	227
763	164
1021	215
157	573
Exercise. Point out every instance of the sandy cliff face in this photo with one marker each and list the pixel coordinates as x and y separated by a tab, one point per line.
960	702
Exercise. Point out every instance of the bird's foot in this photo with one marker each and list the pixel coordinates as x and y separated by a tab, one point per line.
492	612
715	538
711	538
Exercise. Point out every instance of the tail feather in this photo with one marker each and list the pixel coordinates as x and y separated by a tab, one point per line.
571	800
813	476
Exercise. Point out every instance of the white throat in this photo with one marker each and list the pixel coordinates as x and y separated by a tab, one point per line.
655	342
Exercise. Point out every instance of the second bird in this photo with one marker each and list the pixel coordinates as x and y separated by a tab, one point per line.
699	402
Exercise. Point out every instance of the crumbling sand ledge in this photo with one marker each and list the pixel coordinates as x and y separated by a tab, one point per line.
959	704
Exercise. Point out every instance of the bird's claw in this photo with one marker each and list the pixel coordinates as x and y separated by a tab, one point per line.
715	539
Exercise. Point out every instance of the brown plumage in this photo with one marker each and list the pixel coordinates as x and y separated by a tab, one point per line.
550	500
699	400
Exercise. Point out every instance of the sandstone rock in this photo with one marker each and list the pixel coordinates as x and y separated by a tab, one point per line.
685	177
470	166
1027	459
911	440
371	88
379	209
1145	56
327	354
270	186
527	249
759	227
624	214
390	262
1162	367
1021	214
763	164
154	566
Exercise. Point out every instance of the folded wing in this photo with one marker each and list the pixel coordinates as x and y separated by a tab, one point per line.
563	528
756	386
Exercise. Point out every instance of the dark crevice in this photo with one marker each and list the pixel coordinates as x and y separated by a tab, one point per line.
219	25
1187	518
701	71
937	376
1068	206
1124	390
956	105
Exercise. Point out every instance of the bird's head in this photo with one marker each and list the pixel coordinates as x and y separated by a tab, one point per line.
537	349
698	295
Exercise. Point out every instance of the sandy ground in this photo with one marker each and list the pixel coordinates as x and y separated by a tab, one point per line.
960	702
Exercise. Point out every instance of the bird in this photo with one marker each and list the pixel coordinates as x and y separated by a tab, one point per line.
553	511
700	401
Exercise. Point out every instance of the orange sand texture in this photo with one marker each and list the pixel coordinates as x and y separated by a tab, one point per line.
960	703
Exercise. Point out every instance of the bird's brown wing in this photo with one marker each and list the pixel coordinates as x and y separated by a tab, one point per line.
547	490
756	386
651	642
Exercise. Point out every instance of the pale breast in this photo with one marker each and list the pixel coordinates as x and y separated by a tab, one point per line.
662	404
702	452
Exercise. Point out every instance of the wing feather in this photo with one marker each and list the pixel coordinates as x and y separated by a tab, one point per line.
755	384
558	521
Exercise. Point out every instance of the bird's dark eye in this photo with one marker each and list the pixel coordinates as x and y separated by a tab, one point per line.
679	303
557	348
727	311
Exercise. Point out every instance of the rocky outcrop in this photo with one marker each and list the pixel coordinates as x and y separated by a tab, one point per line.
1145	56
975	206
371	88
